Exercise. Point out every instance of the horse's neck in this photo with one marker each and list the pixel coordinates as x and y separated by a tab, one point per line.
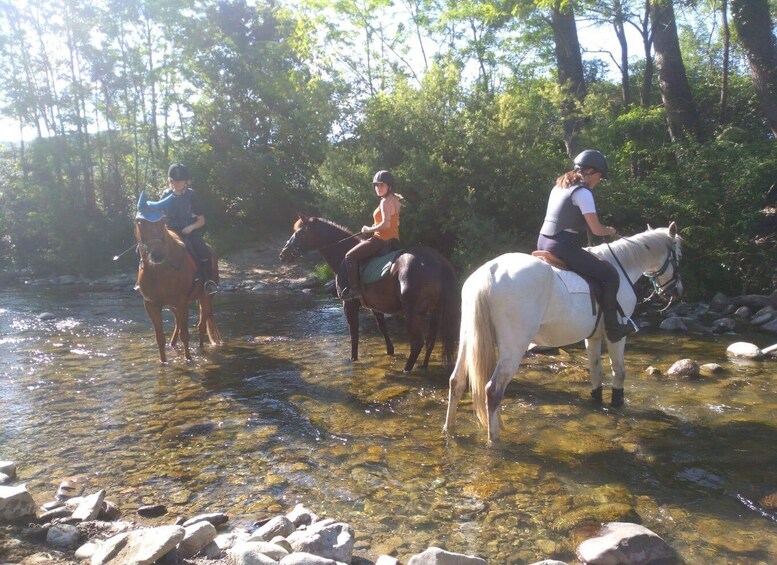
334	249
631	261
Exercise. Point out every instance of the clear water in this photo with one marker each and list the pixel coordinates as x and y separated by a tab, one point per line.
258	424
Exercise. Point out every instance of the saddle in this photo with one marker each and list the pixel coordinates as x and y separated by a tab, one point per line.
378	267
594	290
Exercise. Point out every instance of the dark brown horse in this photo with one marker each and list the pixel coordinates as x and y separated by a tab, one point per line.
421	285
166	277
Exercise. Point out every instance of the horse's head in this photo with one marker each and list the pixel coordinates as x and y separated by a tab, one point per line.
298	242
665	276
152	239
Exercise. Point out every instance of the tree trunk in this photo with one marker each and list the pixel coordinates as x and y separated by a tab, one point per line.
618	22
723	116
647	46
754	28
570	72
681	113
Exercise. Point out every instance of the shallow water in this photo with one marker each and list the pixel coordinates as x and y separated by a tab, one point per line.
255	426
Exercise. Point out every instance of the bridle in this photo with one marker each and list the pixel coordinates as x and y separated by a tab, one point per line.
660	290
144	248
295	248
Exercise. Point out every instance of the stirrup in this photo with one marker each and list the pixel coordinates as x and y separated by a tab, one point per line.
210	287
623	330
350	293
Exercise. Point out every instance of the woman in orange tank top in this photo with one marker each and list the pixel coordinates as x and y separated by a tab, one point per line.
385	228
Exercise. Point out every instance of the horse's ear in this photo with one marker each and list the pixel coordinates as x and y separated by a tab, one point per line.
673	229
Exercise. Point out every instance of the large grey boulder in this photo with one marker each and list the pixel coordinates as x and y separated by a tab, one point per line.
16	503
437	556
139	547
197	536
327	538
624	543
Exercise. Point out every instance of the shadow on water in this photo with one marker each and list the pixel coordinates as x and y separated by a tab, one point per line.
278	415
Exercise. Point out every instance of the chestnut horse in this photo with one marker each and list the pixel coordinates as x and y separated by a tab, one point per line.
166	277
421	285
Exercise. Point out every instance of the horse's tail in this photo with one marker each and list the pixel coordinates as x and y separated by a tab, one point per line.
450	315
477	331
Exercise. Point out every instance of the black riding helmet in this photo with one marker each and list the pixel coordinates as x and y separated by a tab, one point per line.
178	171
592	159
383	176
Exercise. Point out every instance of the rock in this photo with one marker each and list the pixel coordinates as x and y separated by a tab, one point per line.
673	324
719	302
141	547
228	541
549	562
87	550
90	506
753	300
437	556
301	516
249	553
271	550
278	526
5	479
46	316
623	542
743	313
196	537
16	503
216	519
771	350
763	316
744	350
70	488
683	368
326	538
387	560
722	325
709	369
300	558
653	371
770	327
152	510
63	535
109	512
8	468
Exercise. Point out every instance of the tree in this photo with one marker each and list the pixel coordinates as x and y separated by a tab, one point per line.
682	116
753	25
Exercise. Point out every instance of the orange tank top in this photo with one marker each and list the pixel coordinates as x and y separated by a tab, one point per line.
391	232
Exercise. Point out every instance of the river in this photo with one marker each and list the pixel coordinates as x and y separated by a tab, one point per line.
279	415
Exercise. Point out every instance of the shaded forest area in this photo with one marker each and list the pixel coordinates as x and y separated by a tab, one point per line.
475	106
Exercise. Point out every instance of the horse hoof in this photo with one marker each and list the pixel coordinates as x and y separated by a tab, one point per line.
617	397
596	394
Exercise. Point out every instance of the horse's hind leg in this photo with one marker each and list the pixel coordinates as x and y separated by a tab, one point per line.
505	370
415	331
380	320
457	384
206	326
351	308
431	336
154	312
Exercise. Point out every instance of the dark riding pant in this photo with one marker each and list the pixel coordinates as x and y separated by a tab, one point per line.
348	274
196	244
565	246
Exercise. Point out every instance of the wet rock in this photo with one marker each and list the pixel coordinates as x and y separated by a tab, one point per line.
437	556
673	324
709	369
70	488
723	325
110	511
622	542
46	316
744	350
140	547
683	368
152	510
216	519
653	371
5	479
16	503
387	560
743	313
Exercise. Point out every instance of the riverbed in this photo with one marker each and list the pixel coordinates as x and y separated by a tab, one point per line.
279	415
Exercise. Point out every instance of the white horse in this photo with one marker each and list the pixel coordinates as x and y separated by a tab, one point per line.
518	299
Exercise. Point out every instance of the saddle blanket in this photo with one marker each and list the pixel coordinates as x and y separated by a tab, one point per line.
378	267
575	283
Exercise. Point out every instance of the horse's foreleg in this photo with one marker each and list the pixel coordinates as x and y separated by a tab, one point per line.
182	325
593	348
351	309
457	384
380	320
617	353
154	312
416	332
205	307
431	336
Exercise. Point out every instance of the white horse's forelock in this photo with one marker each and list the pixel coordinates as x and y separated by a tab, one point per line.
631	250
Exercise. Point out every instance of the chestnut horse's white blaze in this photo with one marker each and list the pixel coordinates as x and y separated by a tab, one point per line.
517	299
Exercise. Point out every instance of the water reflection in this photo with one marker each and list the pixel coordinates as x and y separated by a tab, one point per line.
254	426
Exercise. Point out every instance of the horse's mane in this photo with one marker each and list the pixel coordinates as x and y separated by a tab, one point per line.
630	250
298	224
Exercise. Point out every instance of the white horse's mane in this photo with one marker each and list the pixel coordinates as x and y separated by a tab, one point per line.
631	250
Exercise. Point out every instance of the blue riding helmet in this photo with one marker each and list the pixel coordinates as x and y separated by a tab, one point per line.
152	211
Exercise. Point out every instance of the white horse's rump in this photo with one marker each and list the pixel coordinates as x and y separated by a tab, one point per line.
517	299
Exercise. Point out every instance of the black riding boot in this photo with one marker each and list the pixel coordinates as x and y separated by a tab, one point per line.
351	290
206	272
616	330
